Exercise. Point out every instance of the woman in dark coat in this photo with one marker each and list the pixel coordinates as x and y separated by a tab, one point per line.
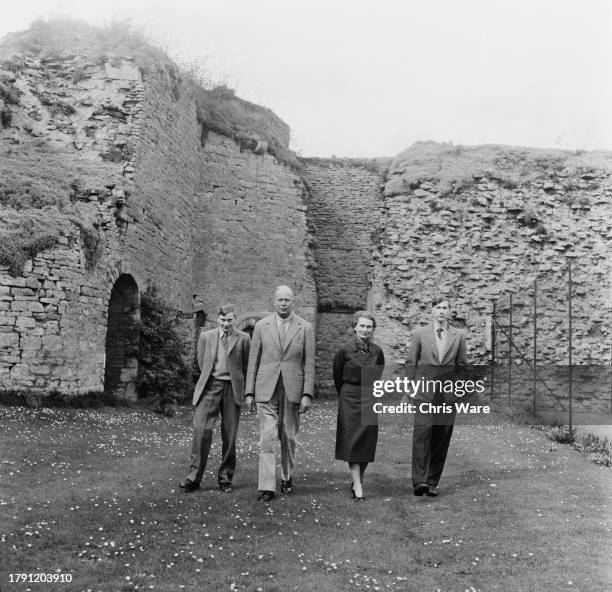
357	430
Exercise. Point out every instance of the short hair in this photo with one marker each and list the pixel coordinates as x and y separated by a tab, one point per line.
438	299
284	287
365	314
225	309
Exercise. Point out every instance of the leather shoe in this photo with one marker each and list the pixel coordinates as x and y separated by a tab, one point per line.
421	488
432	491
286	486
226	487
265	496
189	485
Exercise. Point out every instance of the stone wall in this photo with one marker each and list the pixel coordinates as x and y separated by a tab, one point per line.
251	232
143	195
122	161
481	223
75	130
344	215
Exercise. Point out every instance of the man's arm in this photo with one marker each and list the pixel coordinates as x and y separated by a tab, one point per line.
309	361
246	348
308	364
414	354
201	348
461	359
252	367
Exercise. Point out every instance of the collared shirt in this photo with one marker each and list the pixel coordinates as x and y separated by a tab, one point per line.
440	340
221	369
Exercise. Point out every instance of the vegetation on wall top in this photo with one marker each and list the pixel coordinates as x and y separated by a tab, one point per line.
454	168
218	108
64	37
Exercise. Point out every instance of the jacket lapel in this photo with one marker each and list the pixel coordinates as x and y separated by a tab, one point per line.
450	339
273	330
294	327
214	343
431	338
232	341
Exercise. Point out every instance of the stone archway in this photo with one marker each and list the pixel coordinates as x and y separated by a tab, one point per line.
121	366
247	324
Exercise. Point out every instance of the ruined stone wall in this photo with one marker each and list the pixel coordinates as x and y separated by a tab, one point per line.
73	130
251	232
480	223
143	195
476	224
343	199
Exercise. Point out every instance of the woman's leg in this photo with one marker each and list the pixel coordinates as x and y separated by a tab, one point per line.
356	475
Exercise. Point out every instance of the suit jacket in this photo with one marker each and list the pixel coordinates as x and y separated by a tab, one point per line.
295	361
238	348
424	362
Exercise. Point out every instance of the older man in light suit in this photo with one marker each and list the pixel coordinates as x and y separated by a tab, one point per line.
223	355
437	353
280	379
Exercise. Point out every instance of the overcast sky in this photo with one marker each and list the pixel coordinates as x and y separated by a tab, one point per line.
369	78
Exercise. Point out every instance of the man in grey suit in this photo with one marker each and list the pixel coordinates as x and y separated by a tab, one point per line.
437	351
280	379
223	355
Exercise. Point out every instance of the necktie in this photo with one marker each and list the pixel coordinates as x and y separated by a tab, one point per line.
282	333
224	339
439	332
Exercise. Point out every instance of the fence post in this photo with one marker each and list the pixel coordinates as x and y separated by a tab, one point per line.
569	298
535	340
510	353
493	335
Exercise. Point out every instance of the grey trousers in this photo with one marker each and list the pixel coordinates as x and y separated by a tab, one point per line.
217	398
277	418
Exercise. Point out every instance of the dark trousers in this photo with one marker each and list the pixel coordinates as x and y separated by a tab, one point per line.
218	398
430	441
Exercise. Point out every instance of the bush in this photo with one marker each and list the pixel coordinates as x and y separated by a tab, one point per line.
562	434
598	450
162	369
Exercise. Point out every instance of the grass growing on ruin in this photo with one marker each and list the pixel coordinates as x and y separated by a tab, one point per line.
55	38
453	168
38	185
93	493
218	108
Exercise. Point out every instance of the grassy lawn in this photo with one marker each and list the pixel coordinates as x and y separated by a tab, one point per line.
93	493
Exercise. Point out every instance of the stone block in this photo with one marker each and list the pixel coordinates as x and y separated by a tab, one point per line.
40	369
24	322
52	342
30	342
20	371
9	340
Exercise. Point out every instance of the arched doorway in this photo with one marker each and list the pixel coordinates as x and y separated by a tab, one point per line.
247	324
121	366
